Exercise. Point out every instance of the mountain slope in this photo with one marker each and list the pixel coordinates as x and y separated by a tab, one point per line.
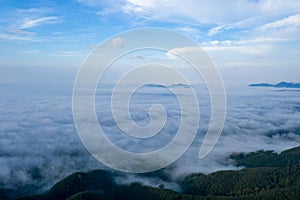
269	176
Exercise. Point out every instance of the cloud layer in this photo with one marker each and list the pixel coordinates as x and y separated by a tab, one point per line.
39	144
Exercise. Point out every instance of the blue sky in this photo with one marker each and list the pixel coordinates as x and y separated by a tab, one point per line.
245	38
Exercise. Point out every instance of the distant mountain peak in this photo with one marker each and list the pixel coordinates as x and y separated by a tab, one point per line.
282	84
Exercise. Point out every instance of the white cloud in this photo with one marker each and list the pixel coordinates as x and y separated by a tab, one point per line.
239	24
196	11
21	32
199	19
248	49
257	51
215	30
257	46
90	2
138	6
29	23
191	31
68	54
215	11
188	29
182	51
5	36
31	11
287	22
231	44
186	12
118	42
18	23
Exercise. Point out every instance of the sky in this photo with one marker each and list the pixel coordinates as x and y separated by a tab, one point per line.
249	40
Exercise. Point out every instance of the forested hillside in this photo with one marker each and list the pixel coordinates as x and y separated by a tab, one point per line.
268	176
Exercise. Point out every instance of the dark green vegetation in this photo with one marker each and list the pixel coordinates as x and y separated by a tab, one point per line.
267	158
268	176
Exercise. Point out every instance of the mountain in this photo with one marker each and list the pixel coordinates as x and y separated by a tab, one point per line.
267	158
155	85
180	85
278	85
268	176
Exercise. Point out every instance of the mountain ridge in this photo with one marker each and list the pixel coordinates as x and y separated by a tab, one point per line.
259	180
282	84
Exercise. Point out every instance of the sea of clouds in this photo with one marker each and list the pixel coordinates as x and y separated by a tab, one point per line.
39	144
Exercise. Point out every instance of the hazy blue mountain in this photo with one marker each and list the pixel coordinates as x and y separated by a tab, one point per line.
260	85
180	85
278	85
154	85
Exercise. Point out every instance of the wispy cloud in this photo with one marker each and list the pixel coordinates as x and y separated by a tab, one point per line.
33	10
4	36
290	21
200	19
68	54
236	25
90	2
191	31
34	51
247	49
193	10
29	23
21	32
